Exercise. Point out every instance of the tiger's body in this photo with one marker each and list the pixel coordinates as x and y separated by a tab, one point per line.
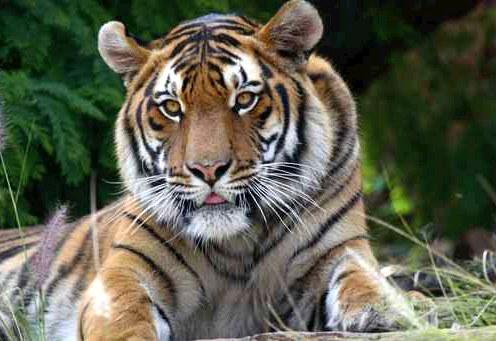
244	211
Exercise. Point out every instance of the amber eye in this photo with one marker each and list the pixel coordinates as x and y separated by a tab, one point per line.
245	102
171	109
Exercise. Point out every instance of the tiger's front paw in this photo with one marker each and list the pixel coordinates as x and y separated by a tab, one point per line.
354	302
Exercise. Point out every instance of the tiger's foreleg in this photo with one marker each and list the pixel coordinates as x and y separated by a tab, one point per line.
120	303
341	291
355	298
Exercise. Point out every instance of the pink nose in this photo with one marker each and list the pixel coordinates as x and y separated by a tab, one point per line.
209	172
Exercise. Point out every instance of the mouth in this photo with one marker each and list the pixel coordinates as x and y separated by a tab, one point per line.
214	199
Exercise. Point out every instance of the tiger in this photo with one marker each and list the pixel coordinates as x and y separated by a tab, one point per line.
242	211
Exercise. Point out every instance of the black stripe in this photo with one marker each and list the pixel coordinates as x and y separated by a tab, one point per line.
300	126
185	84
180	35
6	254
311	323
266	71
283	94
248	21
151	85
244	76
65	269
236	28
344	274
298	283
81	282
24	274
331	221
268	140
150	104
166	280
154	125
225	60
181	63
322	315
165	243
164	317
289	54
346	157
139	119
191	68
226	39
181	46
135	148
287	315
264	116
20	237
29	289
182	28
227	52
343	184
316	77
344	132
217	69
232	22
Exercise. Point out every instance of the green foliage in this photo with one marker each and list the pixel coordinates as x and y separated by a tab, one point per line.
61	100
431	121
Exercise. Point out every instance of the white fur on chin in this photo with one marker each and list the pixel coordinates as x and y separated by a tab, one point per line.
217	225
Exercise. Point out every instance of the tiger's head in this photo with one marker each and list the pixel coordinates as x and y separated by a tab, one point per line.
222	126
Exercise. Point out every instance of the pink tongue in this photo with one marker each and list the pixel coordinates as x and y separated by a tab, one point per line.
214	199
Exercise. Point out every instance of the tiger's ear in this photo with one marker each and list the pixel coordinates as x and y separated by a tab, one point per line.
293	31
119	50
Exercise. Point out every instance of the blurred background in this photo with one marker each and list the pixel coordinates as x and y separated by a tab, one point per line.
423	73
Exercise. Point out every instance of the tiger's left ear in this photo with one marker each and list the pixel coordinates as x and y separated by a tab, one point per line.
293	31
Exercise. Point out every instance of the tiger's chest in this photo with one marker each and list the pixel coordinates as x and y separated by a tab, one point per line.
237	312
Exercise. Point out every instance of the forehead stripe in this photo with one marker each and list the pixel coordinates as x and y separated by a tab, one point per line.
248	21
180	35
182	45
244	76
225	60
151	85
229	53
185	27
226	39
237	29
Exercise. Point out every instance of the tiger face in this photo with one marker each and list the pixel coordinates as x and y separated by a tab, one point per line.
214	135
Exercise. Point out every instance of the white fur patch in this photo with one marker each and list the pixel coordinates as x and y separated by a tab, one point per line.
332	303
161	326
217	225
100	300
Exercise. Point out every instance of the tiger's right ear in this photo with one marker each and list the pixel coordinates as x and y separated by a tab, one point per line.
119	50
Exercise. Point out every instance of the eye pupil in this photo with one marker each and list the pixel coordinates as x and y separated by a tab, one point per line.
245	99
172	107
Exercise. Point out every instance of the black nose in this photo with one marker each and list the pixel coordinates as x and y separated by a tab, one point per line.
209	172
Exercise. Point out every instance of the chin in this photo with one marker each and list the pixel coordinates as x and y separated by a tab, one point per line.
216	222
